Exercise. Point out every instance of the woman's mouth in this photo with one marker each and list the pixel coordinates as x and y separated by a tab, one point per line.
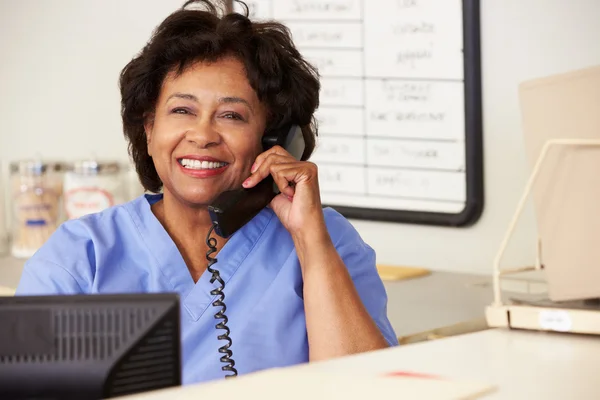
201	168
191	164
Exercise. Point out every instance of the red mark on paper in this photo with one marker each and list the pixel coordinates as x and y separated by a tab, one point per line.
409	374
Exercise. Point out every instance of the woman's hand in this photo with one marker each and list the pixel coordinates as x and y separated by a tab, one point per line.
298	206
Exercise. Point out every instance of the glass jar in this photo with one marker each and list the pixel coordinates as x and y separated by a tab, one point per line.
36	193
91	186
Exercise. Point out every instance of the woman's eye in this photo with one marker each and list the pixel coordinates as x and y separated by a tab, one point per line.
232	115
180	110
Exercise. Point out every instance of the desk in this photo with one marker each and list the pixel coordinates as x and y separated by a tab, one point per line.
522	364
437	300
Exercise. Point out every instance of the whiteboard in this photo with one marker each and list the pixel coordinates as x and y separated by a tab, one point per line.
400	131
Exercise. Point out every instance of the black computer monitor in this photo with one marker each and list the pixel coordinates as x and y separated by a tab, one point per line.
88	346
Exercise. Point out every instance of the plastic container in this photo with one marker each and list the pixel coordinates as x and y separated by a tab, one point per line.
36	194
92	186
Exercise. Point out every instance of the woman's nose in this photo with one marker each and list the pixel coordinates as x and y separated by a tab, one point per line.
203	135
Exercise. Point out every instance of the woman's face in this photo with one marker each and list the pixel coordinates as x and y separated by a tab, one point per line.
206	131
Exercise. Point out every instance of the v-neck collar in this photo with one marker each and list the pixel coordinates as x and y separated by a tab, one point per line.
195	296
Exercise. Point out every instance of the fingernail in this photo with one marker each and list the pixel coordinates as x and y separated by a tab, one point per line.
245	183
253	168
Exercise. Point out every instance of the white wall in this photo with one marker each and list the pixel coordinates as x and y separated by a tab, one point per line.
60	60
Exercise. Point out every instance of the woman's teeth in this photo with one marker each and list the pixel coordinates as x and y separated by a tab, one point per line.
197	164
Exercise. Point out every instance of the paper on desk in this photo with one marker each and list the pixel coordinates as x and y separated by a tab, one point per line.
306	384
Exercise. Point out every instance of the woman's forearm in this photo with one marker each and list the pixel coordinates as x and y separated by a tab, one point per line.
336	320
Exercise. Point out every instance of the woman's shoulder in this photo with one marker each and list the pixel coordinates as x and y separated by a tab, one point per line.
334	219
339	227
94	223
76	235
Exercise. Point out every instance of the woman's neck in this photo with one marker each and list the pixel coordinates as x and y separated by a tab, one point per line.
188	228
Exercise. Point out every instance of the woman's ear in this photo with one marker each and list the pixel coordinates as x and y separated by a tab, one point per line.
148	126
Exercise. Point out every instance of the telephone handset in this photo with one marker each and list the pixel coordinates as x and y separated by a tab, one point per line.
234	208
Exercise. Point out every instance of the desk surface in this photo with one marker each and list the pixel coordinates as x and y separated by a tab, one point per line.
518	364
414	305
521	364
437	300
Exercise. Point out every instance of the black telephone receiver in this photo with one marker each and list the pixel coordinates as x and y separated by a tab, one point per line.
234	208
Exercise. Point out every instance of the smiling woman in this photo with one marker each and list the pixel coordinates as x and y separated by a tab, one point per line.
196	102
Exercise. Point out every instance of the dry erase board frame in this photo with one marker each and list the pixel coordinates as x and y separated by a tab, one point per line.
473	142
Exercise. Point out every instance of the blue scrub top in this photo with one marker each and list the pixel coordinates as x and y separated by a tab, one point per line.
125	249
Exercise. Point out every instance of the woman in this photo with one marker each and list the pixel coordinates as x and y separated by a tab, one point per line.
301	285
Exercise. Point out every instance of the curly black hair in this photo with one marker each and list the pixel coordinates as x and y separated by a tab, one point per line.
283	80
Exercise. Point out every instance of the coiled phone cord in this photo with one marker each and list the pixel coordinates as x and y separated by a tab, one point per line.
211	242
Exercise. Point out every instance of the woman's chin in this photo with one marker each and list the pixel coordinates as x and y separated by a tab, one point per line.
197	200
197	197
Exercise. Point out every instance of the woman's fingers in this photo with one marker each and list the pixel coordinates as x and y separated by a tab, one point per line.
286	174
277	150
290	176
284	168
264	169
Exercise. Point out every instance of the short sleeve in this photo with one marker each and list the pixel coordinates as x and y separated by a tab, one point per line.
42	277
60	266
360	260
